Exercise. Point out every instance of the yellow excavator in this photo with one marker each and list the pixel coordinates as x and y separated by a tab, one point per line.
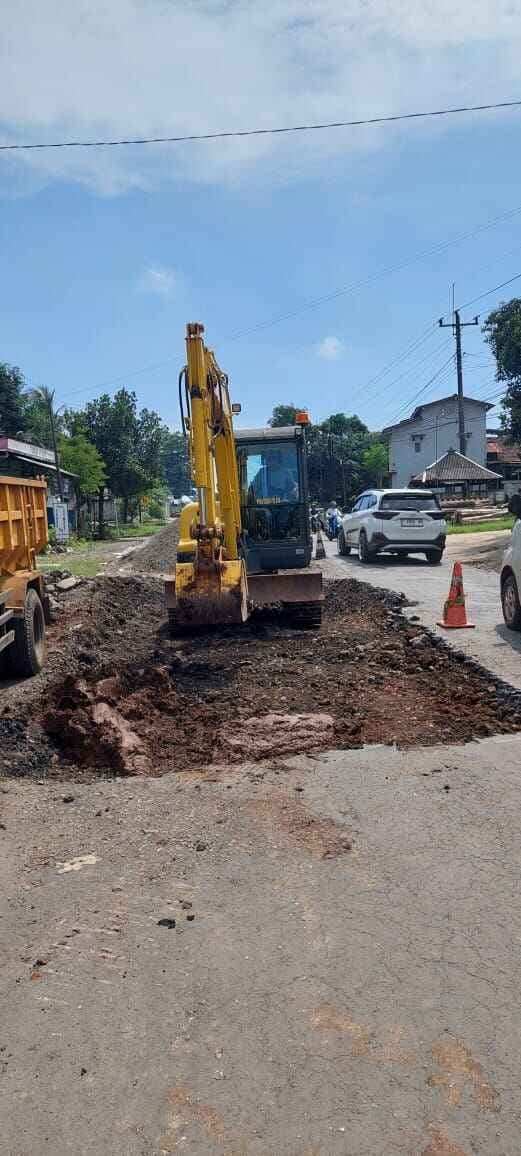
246	541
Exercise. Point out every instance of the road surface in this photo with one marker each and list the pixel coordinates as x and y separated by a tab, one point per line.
426	587
339	970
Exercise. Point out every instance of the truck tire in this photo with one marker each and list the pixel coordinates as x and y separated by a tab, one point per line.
26	654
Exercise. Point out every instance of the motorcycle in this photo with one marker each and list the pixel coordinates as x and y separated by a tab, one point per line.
334	523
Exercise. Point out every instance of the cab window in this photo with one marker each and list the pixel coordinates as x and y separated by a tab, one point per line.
268	474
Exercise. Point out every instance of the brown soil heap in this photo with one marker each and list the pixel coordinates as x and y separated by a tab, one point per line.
137	702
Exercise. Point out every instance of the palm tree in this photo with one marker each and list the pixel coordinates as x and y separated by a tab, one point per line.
46	396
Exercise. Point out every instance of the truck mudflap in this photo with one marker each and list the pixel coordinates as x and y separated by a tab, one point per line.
290	587
6	636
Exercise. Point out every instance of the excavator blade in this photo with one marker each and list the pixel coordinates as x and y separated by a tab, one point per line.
211	597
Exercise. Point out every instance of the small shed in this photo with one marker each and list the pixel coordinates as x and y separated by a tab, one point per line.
459	475
25	460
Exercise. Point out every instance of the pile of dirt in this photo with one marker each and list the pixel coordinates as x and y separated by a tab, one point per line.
102	624
159	554
139	702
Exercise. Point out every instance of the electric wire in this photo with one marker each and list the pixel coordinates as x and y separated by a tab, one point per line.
313	303
277	131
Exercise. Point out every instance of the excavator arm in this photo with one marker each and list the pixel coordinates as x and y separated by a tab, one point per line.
211	586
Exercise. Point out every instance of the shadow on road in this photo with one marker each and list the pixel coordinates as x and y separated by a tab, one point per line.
387	561
510	637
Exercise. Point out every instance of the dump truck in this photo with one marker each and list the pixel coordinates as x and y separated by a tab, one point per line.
24	607
246	541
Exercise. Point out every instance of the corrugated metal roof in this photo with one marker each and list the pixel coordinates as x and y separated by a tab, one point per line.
455	467
439	401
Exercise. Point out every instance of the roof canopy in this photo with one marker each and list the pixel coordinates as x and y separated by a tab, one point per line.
454	468
486	405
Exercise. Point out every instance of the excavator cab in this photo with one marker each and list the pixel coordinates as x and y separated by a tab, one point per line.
274	498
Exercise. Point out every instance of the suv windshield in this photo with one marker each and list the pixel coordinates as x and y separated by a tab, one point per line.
404	501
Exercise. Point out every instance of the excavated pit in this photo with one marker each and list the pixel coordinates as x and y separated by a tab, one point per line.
136	702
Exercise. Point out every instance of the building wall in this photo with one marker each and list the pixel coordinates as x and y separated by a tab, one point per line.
435	431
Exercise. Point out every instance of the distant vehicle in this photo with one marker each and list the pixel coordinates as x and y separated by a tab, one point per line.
511	570
394	522
334	522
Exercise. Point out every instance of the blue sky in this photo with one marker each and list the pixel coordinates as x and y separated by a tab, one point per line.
106	255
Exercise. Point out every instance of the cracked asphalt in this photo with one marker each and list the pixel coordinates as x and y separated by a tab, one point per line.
341	978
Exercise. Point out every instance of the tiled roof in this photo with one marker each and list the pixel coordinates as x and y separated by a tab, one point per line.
506	454
455	467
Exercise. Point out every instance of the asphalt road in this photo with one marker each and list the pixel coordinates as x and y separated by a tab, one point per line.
324	1001
426	587
348	984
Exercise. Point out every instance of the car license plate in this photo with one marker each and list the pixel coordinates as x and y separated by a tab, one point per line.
412	521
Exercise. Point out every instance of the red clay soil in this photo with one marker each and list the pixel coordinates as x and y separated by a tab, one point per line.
263	690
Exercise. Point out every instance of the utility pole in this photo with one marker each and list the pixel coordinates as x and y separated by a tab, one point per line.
457	325
47	396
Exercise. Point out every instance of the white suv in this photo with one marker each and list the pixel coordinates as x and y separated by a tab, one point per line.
511	570
394	522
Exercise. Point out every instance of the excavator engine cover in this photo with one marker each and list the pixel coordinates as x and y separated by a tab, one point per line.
213	596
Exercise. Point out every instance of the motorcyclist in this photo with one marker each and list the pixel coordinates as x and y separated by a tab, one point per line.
333	519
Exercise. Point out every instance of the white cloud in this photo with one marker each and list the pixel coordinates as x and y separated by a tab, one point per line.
159	280
331	349
89	69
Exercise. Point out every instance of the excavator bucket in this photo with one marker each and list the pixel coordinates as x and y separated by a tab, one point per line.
217	596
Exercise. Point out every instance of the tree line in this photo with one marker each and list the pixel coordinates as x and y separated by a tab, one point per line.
109	444
343	455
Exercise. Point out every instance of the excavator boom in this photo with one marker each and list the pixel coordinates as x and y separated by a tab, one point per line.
211	586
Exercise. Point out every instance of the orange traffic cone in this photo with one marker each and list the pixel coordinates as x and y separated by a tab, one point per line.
454	613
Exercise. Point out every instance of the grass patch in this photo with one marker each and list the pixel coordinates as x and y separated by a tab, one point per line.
145	530
80	567
505	523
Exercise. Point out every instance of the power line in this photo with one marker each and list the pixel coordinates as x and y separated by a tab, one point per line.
443	368
313	303
488	292
412	371
439	247
407	352
89	144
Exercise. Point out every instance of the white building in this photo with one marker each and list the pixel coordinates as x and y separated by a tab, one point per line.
432	430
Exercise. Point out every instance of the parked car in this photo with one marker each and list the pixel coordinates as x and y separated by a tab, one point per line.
394	522
511	570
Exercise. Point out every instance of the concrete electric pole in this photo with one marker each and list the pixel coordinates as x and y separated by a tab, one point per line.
457	325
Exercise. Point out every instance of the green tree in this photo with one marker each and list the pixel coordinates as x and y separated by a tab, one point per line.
129	444
375	462
502	330
81	457
12	401
284	415
174	462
